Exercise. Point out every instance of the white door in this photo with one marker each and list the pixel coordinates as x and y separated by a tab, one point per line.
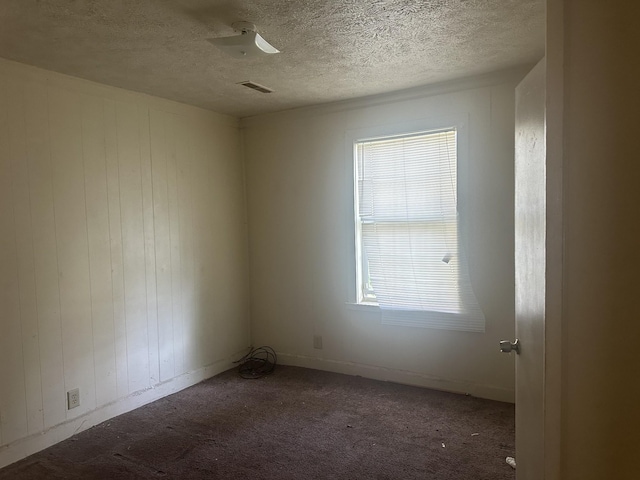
530	260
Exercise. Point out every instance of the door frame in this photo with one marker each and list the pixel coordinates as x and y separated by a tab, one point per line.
553	330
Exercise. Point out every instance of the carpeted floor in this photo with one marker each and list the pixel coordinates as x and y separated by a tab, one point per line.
294	424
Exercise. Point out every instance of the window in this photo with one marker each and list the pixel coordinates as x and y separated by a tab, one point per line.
409	257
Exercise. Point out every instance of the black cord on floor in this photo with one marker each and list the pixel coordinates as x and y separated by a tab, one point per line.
257	363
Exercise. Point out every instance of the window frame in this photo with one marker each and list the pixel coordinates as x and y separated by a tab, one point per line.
356	294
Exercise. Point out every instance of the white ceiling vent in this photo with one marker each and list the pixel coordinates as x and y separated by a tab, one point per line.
256	86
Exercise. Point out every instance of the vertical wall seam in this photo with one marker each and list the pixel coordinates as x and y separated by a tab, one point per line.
20	293
33	253
173	342
242	132
124	277
113	303
179	246
144	242
190	226
55	229
86	215
155	249
15	240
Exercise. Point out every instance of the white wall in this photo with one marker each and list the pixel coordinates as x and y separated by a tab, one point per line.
123	265
300	231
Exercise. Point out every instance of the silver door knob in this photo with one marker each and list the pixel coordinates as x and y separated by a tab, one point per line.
506	346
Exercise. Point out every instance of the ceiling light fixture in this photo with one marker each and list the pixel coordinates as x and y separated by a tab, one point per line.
248	44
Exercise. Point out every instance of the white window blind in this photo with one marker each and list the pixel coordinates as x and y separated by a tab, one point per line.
411	262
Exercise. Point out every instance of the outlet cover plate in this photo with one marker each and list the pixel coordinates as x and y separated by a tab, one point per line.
73	398
317	342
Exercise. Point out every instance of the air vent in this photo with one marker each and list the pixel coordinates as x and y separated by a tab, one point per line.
256	86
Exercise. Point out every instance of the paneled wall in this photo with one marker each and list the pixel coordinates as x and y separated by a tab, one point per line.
122	246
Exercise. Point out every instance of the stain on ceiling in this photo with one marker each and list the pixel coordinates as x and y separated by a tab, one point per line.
331	50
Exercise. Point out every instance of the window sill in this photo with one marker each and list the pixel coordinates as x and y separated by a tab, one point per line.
363	307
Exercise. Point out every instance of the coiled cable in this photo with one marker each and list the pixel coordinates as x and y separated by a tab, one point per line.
257	363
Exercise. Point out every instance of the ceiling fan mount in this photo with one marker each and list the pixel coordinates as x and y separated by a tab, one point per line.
247	44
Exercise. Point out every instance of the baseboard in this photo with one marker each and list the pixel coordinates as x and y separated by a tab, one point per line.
26	446
399	376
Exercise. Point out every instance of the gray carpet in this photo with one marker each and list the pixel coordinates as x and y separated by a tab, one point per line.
294	424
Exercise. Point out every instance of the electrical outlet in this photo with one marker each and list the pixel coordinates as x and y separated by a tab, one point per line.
317	342
73	398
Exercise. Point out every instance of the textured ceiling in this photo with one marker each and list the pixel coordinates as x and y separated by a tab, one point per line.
331	50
